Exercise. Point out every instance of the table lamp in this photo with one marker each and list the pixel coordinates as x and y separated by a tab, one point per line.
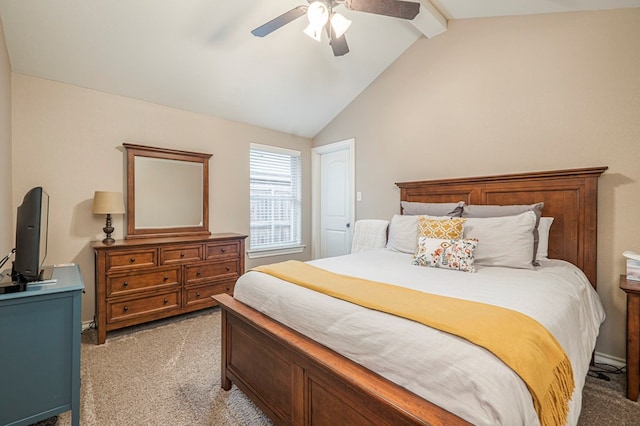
105	202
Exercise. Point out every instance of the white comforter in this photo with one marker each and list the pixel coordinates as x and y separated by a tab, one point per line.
449	371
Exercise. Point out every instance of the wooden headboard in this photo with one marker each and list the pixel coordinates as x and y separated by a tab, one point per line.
569	196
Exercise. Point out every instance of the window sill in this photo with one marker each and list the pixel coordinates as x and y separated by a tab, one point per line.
255	254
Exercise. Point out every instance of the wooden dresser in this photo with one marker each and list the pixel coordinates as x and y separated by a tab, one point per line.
145	279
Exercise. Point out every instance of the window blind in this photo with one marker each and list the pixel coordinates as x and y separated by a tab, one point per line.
275	198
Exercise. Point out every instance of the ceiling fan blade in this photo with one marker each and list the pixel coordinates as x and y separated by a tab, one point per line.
394	8
280	21
338	44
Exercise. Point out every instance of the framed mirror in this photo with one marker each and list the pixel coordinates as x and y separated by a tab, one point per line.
167	192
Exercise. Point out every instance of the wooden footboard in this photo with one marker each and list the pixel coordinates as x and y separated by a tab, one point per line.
296	381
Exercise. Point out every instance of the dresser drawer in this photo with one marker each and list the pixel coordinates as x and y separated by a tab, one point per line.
224	270
127	309
131	259
182	254
229	248
201	295
120	285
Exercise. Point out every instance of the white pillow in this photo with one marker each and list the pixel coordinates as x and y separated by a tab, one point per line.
503	241
490	210
543	233
403	234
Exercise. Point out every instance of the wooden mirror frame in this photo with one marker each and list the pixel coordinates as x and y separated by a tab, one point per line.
134	151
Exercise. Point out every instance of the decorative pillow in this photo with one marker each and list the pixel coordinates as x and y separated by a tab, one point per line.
543	231
504	241
473	210
450	228
432	209
448	254
403	234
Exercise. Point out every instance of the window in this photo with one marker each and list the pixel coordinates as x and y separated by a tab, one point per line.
275	179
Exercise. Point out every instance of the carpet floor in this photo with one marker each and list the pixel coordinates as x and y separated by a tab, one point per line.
162	373
168	373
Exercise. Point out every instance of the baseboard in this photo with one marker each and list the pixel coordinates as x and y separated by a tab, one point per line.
86	325
611	360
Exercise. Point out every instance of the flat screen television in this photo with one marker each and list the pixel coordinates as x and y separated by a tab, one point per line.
32	222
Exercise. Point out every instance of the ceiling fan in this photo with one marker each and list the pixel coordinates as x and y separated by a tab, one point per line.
321	16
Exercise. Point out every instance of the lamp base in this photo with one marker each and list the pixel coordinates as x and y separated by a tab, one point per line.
108	229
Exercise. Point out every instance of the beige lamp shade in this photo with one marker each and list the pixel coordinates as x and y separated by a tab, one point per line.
105	202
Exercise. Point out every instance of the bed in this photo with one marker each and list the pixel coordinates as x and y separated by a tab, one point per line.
295	379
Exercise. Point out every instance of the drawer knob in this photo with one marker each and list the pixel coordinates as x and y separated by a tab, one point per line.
197	294
223	250
126	283
228	288
198	273
228	268
126	308
182	254
166	278
166	300
133	259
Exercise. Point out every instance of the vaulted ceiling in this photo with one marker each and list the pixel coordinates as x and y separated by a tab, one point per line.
199	55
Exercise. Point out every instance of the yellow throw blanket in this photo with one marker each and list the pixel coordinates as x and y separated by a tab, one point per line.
518	340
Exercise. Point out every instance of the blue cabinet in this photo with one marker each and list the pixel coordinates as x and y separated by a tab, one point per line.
40	331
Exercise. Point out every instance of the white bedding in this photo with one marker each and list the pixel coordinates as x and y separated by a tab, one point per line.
449	371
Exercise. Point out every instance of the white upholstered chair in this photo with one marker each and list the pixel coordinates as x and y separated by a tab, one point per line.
369	234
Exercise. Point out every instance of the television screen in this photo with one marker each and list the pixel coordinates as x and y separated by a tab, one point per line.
31	236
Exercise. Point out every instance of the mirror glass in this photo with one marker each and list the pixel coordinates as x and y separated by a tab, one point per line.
167	192
160	186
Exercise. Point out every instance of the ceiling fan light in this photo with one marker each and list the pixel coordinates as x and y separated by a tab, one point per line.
318	13
314	31
340	24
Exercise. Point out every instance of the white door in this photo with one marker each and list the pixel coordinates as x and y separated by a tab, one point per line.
335	198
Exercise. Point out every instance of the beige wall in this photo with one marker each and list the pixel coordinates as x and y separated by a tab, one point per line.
69	140
6	213
512	94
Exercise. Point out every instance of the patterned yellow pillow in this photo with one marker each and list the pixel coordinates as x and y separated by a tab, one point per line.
450	228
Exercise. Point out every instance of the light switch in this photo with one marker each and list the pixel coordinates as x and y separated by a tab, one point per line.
358	196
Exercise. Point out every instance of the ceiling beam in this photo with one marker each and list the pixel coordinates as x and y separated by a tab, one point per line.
429	21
